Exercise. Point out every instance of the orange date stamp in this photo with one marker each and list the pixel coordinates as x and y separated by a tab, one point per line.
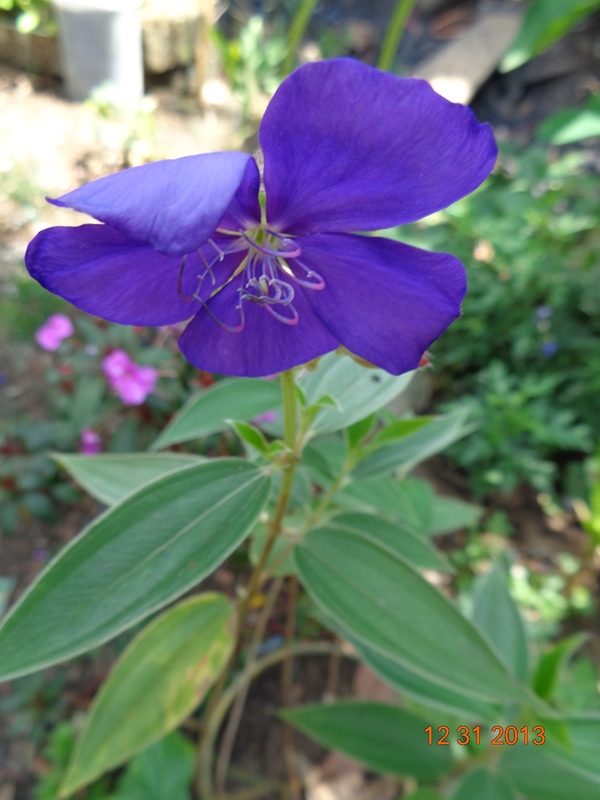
499	735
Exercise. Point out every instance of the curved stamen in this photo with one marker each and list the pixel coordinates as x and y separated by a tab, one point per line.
260	273
320	283
229	328
281	318
187	298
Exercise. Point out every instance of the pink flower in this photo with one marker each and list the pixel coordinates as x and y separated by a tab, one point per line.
90	443
56	328
132	382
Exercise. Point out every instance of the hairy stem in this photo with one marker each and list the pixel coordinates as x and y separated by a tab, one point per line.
394	33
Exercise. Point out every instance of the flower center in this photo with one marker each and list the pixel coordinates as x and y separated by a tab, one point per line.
269	269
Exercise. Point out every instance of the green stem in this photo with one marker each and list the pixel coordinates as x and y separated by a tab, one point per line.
290	397
297	31
394	33
288	388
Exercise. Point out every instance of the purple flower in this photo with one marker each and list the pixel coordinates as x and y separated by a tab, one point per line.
90	443
549	348
346	149
132	382
56	328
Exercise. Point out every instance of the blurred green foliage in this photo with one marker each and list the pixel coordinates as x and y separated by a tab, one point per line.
29	15
545	22
525	355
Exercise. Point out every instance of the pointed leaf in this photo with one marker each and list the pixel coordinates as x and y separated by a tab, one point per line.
496	615
414	448
109	478
384	737
401	540
545	22
397	430
424	691
251	435
386	604
409	501
553	662
135	558
449	514
356	390
158	681
207	412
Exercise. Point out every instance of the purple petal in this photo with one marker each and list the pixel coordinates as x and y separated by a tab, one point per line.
103	272
350	148
172	205
384	301
244	210
265	346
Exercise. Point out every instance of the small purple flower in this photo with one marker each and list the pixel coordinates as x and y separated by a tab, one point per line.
549	348
56	328
347	149
132	382
268	416
90	443
543	312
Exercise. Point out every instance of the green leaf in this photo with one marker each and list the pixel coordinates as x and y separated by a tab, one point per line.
384	737
572	124
552	663
109	478
208	411
545	22
135	558
449	514
548	772
577	688
400	540
414	448
357	432
387	605
397	430
158	681
281	554
409	500
163	771
357	391
412	501
424	691
483	785
325	457
251	435
496	615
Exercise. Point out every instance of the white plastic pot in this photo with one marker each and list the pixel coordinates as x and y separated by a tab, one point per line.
101	43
